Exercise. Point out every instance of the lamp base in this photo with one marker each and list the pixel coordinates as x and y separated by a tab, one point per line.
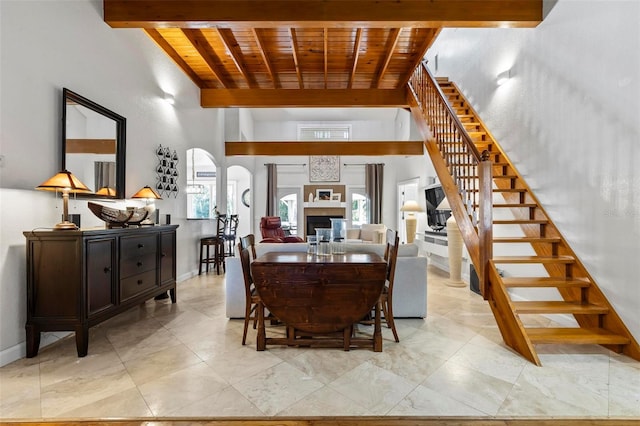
65	226
455	283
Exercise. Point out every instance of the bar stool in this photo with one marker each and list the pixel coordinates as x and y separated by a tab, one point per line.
218	253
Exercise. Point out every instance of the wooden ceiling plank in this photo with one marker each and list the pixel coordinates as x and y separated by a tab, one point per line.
272	98
323	13
294	52
231	45
392	41
356	53
197	40
265	57
360	148
170	51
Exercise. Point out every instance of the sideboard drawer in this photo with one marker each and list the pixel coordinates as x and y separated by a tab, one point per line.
137	284
138	245
137	265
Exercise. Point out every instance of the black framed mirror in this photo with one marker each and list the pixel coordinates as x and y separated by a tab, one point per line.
94	145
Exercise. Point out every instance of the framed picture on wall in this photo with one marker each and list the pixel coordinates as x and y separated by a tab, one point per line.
324	168
324	194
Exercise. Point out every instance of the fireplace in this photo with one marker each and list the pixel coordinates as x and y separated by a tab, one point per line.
314	222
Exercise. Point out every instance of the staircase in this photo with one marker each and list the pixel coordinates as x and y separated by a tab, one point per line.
454	145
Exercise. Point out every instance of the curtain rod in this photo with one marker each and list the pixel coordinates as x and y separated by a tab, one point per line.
358	164
287	164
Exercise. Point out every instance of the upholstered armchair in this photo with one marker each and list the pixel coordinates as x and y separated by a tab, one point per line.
272	232
368	233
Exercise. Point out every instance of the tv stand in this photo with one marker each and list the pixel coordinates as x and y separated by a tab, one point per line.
434	245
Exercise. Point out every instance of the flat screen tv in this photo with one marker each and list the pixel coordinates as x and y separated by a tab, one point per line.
436	219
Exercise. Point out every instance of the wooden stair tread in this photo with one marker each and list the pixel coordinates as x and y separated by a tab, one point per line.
520	221
533	259
511	205
533	240
558	307
540	282
577	336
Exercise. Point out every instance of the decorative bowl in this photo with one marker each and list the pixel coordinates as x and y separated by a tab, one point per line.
118	215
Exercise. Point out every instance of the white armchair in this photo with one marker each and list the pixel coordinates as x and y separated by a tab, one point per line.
369	233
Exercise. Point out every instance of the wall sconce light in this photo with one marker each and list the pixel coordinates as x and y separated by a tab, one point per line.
66	183
168	98
503	77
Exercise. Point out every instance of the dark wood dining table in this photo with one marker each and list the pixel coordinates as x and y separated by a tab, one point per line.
320	298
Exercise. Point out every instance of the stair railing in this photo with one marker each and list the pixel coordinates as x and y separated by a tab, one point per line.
465	173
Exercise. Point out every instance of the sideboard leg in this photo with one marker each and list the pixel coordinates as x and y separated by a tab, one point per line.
172	293
82	340
33	340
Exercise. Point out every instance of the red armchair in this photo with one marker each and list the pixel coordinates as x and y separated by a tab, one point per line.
272	232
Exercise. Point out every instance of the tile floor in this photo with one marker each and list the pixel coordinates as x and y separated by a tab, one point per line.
184	360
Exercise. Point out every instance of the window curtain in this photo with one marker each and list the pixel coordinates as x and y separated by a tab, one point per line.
105	175
373	190
272	190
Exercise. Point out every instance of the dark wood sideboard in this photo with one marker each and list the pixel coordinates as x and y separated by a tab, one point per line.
77	279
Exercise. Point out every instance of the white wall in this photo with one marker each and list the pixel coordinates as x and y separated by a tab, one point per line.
568	118
48	45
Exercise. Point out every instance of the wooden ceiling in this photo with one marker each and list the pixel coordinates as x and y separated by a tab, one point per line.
307	53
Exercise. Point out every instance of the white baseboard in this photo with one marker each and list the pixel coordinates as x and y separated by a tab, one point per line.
19	351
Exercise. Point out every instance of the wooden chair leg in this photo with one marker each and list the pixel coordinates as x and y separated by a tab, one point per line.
388	316
200	266
346	336
247	315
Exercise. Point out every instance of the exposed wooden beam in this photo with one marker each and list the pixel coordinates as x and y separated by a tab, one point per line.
325	50
428	41
231	45
322	13
270	98
375	148
198	41
265	58
162	43
294	52
356	53
392	42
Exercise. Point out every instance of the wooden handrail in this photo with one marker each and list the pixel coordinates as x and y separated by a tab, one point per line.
465	173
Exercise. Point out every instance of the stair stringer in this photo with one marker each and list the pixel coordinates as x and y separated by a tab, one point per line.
611	321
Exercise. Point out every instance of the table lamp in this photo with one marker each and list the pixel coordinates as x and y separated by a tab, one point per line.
411	207
105	190
454	247
66	183
148	194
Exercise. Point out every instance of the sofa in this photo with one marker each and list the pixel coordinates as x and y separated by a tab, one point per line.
368	233
410	285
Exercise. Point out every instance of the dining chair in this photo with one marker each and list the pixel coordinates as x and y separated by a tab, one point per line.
249	242
252	300
386	298
230	234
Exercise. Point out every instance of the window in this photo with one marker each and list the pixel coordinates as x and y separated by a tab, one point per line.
201	184
288	212
321	132
359	208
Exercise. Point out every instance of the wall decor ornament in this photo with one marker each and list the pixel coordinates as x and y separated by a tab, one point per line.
324	168
167	171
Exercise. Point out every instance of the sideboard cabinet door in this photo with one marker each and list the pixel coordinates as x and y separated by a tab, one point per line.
101	274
